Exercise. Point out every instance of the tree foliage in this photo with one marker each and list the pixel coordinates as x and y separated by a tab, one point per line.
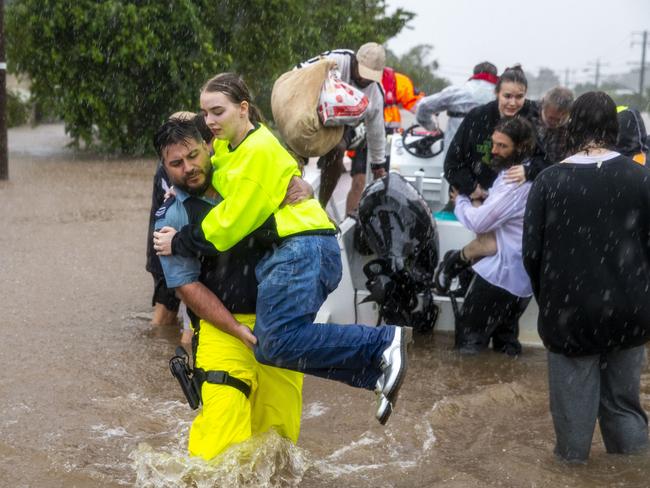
620	94
416	64
113	70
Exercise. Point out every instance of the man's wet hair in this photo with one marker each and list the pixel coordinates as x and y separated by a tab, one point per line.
559	97
521	133
593	122
485	67
512	75
175	131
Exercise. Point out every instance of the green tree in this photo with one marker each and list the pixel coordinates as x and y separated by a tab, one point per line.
619	94
416	64
265	38
112	70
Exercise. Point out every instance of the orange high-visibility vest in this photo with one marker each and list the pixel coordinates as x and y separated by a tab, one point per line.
398	90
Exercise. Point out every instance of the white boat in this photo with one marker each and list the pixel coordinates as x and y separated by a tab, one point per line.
346	304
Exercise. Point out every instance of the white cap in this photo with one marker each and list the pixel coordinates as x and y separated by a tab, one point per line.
372	61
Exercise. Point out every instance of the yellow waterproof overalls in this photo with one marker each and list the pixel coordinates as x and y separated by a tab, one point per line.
227	416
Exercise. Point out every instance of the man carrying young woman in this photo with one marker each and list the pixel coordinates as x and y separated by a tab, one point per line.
302	264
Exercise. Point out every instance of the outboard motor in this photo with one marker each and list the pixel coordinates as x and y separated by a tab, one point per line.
396	224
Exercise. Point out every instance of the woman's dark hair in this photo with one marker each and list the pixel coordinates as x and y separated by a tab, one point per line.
522	134
485	67
593	122
512	75
236	90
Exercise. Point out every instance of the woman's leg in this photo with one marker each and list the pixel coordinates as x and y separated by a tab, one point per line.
574	392
623	423
294	281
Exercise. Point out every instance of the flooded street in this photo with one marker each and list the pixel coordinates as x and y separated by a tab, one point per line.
87	399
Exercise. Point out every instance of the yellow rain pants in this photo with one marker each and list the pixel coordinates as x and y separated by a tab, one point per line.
227	416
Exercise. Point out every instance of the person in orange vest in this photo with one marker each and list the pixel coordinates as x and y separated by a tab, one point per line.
398	90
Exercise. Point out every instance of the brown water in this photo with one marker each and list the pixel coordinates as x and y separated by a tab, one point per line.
86	398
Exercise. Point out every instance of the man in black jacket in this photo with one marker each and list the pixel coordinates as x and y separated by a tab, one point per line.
586	248
632	136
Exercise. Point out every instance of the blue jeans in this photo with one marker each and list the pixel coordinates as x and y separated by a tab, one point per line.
294	281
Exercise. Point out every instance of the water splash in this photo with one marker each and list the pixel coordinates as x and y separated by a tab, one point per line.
265	461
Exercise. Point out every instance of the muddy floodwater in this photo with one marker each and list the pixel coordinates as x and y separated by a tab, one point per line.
87	400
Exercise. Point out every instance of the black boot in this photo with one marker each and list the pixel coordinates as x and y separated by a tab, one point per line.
452	265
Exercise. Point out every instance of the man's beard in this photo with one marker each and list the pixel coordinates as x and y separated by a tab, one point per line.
497	163
198	191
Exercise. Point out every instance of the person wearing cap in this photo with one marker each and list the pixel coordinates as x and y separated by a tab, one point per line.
458	100
363	70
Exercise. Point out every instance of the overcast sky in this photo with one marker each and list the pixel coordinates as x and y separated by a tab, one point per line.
558	34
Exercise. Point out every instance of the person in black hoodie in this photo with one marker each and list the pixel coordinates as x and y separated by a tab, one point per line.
467	164
586	248
632	136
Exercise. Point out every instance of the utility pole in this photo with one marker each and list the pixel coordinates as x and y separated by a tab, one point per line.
568	74
597	65
4	165
643	43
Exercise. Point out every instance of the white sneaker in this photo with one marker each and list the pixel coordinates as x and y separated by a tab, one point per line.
394	366
384	409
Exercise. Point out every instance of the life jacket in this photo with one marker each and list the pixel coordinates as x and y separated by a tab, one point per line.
398	90
392	117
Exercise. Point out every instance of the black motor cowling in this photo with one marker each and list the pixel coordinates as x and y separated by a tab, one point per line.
397	225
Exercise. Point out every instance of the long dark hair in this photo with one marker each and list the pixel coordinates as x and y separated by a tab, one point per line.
592	123
522	134
236	90
512	75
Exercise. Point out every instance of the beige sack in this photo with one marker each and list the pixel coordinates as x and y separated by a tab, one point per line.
294	102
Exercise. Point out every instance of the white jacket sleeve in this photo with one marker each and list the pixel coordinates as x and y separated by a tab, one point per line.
375	130
438	102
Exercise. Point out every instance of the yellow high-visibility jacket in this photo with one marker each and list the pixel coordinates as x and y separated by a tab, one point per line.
253	180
